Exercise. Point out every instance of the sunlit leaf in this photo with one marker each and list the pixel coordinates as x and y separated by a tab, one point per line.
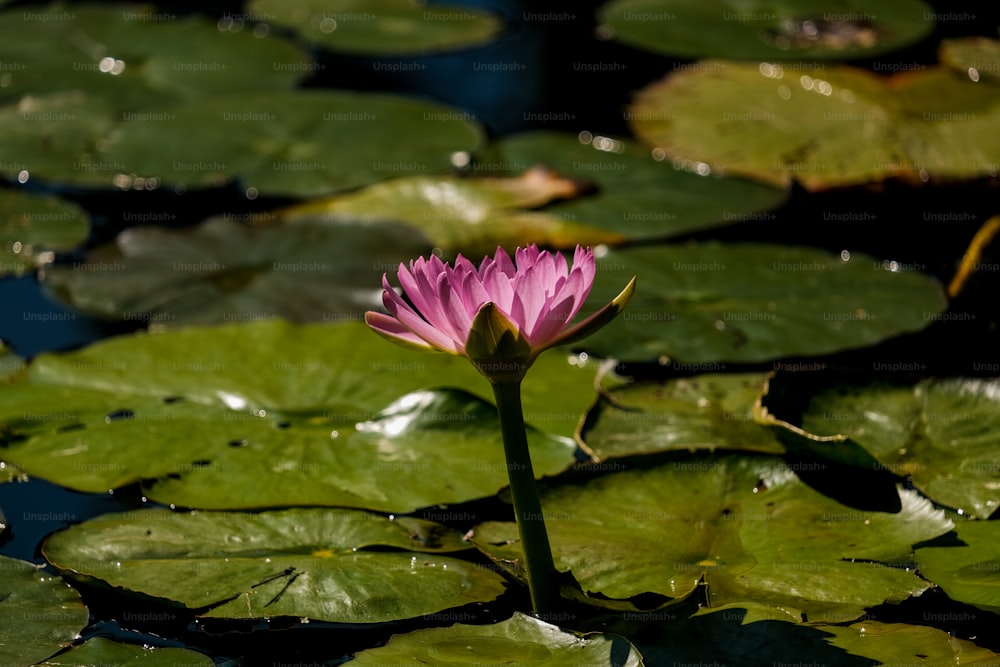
520	640
746	525
304	563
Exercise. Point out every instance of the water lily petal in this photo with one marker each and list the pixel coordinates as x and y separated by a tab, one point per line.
497	285
392	329
598	319
414	322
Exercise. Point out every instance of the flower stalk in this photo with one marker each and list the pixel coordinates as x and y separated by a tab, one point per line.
539	568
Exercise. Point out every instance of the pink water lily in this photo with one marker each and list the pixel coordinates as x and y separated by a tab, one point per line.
500	316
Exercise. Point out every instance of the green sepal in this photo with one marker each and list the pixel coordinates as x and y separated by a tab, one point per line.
496	347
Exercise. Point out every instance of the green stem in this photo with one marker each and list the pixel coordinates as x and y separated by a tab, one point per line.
527	506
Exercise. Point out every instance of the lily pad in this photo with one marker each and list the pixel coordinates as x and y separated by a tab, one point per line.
829	127
520	640
749	634
427	448
701	412
137	57
33	226
101	651
39	613
978	58
339	417
944	434
473	216
637	195
381	27
767	29
298	144
221	271
56	137
313	564
746	525
969	573
341	368
701	304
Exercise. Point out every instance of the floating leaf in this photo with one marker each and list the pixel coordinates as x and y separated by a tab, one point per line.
636	196
969	573
702	412
223	271
749	634
101	651
299	144
520	640
428	448
337	417
303	563
381	27
701	304
342	369
744	524
829	127
32	226
942	434
55	137
39	613
138	57
767	29
473	216
975	57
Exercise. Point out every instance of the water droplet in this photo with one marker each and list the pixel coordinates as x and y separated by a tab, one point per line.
327	25
23	176
845	255
251	193
392	517
16	247
460	159
720	325
659	154
604	32
585	137
784	92
334	434
974	74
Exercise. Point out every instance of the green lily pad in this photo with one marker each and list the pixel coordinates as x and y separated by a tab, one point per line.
381	27
745	524
968	573
137	56
101	651
702	412
978	58
39	613
829	127
520	640
223	271
304	563
701	304
32	226
299	144
749	635
317	415
341	368
428	448
637	195
767	29
943	434
473	216
56	137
